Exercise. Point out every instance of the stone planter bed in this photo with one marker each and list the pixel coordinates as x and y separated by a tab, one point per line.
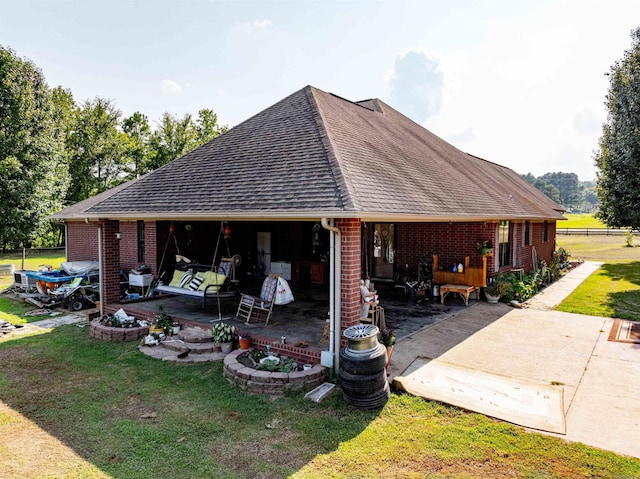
109	333
257	381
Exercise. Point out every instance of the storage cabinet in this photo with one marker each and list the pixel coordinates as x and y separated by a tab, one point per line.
314	272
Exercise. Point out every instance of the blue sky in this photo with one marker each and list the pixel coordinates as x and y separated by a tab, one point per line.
520	83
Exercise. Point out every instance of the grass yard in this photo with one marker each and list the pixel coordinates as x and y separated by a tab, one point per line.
74	407
599	248
612	291
33	260
580	220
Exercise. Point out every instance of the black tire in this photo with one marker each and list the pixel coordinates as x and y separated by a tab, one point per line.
370	401
363	364
354	385
76	305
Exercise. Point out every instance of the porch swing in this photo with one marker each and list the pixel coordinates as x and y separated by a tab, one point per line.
203	281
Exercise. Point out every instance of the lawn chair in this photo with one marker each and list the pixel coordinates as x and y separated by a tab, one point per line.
259	308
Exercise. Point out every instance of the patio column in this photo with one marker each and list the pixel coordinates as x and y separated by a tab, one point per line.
350	275
110	261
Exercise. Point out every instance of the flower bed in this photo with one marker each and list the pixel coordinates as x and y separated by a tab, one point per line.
238	370
105	332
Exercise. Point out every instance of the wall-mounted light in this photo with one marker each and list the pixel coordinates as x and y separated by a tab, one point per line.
227	231
118	236
316	240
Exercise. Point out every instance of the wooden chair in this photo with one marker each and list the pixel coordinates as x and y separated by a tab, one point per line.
259	307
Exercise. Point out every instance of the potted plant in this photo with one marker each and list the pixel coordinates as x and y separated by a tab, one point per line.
485	248
245	340
496	289
388	340
224	334
175	326
163	321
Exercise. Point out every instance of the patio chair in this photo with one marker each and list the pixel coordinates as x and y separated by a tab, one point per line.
259	307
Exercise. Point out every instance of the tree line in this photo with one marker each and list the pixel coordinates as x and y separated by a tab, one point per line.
55	151
567	190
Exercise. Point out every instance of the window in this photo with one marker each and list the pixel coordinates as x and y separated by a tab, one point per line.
140	241
545	232
504	247
527	233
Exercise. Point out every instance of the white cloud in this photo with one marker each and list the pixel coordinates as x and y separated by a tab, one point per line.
259	24
587	121
170	87
416	85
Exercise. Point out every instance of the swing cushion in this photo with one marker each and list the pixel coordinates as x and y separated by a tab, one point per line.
195	283
211	278
181	278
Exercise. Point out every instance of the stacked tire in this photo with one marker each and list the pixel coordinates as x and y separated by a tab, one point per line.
362	374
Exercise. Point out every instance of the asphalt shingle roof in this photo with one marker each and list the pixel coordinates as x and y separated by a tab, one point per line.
315	154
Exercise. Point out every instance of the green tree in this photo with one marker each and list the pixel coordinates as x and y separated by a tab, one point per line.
172	139
207	127
544	186
137	129
98	150
30	150
618	158
568	187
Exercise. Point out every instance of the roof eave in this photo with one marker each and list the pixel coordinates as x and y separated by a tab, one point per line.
307	215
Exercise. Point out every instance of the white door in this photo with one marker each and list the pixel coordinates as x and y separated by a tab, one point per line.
264	253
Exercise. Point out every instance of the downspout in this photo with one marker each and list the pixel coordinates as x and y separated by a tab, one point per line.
335	287
100	272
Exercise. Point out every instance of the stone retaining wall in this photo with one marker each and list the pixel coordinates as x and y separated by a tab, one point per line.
107	333
270	383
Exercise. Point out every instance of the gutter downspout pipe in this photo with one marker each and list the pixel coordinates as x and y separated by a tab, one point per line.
335	311
100	272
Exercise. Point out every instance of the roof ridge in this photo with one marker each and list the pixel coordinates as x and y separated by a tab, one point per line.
342	182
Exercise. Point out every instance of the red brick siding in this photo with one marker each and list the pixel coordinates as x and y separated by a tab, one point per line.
82	241
151	246
351	271
111	261
128	245
452	242
544	250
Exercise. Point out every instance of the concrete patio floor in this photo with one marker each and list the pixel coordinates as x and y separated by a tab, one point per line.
601	378
306	317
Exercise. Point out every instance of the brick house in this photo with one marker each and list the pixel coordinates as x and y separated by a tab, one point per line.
311	172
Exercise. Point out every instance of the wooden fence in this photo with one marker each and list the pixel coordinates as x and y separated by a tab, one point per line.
593	231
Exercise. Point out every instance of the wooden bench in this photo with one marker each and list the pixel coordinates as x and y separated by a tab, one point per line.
463	290
465	283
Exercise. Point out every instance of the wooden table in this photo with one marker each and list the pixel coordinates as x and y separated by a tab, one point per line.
463	290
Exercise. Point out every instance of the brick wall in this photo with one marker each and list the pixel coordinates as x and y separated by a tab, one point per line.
129	246
111	261
450	241
82	241
351	274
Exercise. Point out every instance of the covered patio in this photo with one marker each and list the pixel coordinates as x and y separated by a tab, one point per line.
304	320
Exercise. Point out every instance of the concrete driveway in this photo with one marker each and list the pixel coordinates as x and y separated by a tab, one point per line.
601	378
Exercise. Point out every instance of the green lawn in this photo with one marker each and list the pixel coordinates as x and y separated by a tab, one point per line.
33	261
612	291
102	409
580	220
599	248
